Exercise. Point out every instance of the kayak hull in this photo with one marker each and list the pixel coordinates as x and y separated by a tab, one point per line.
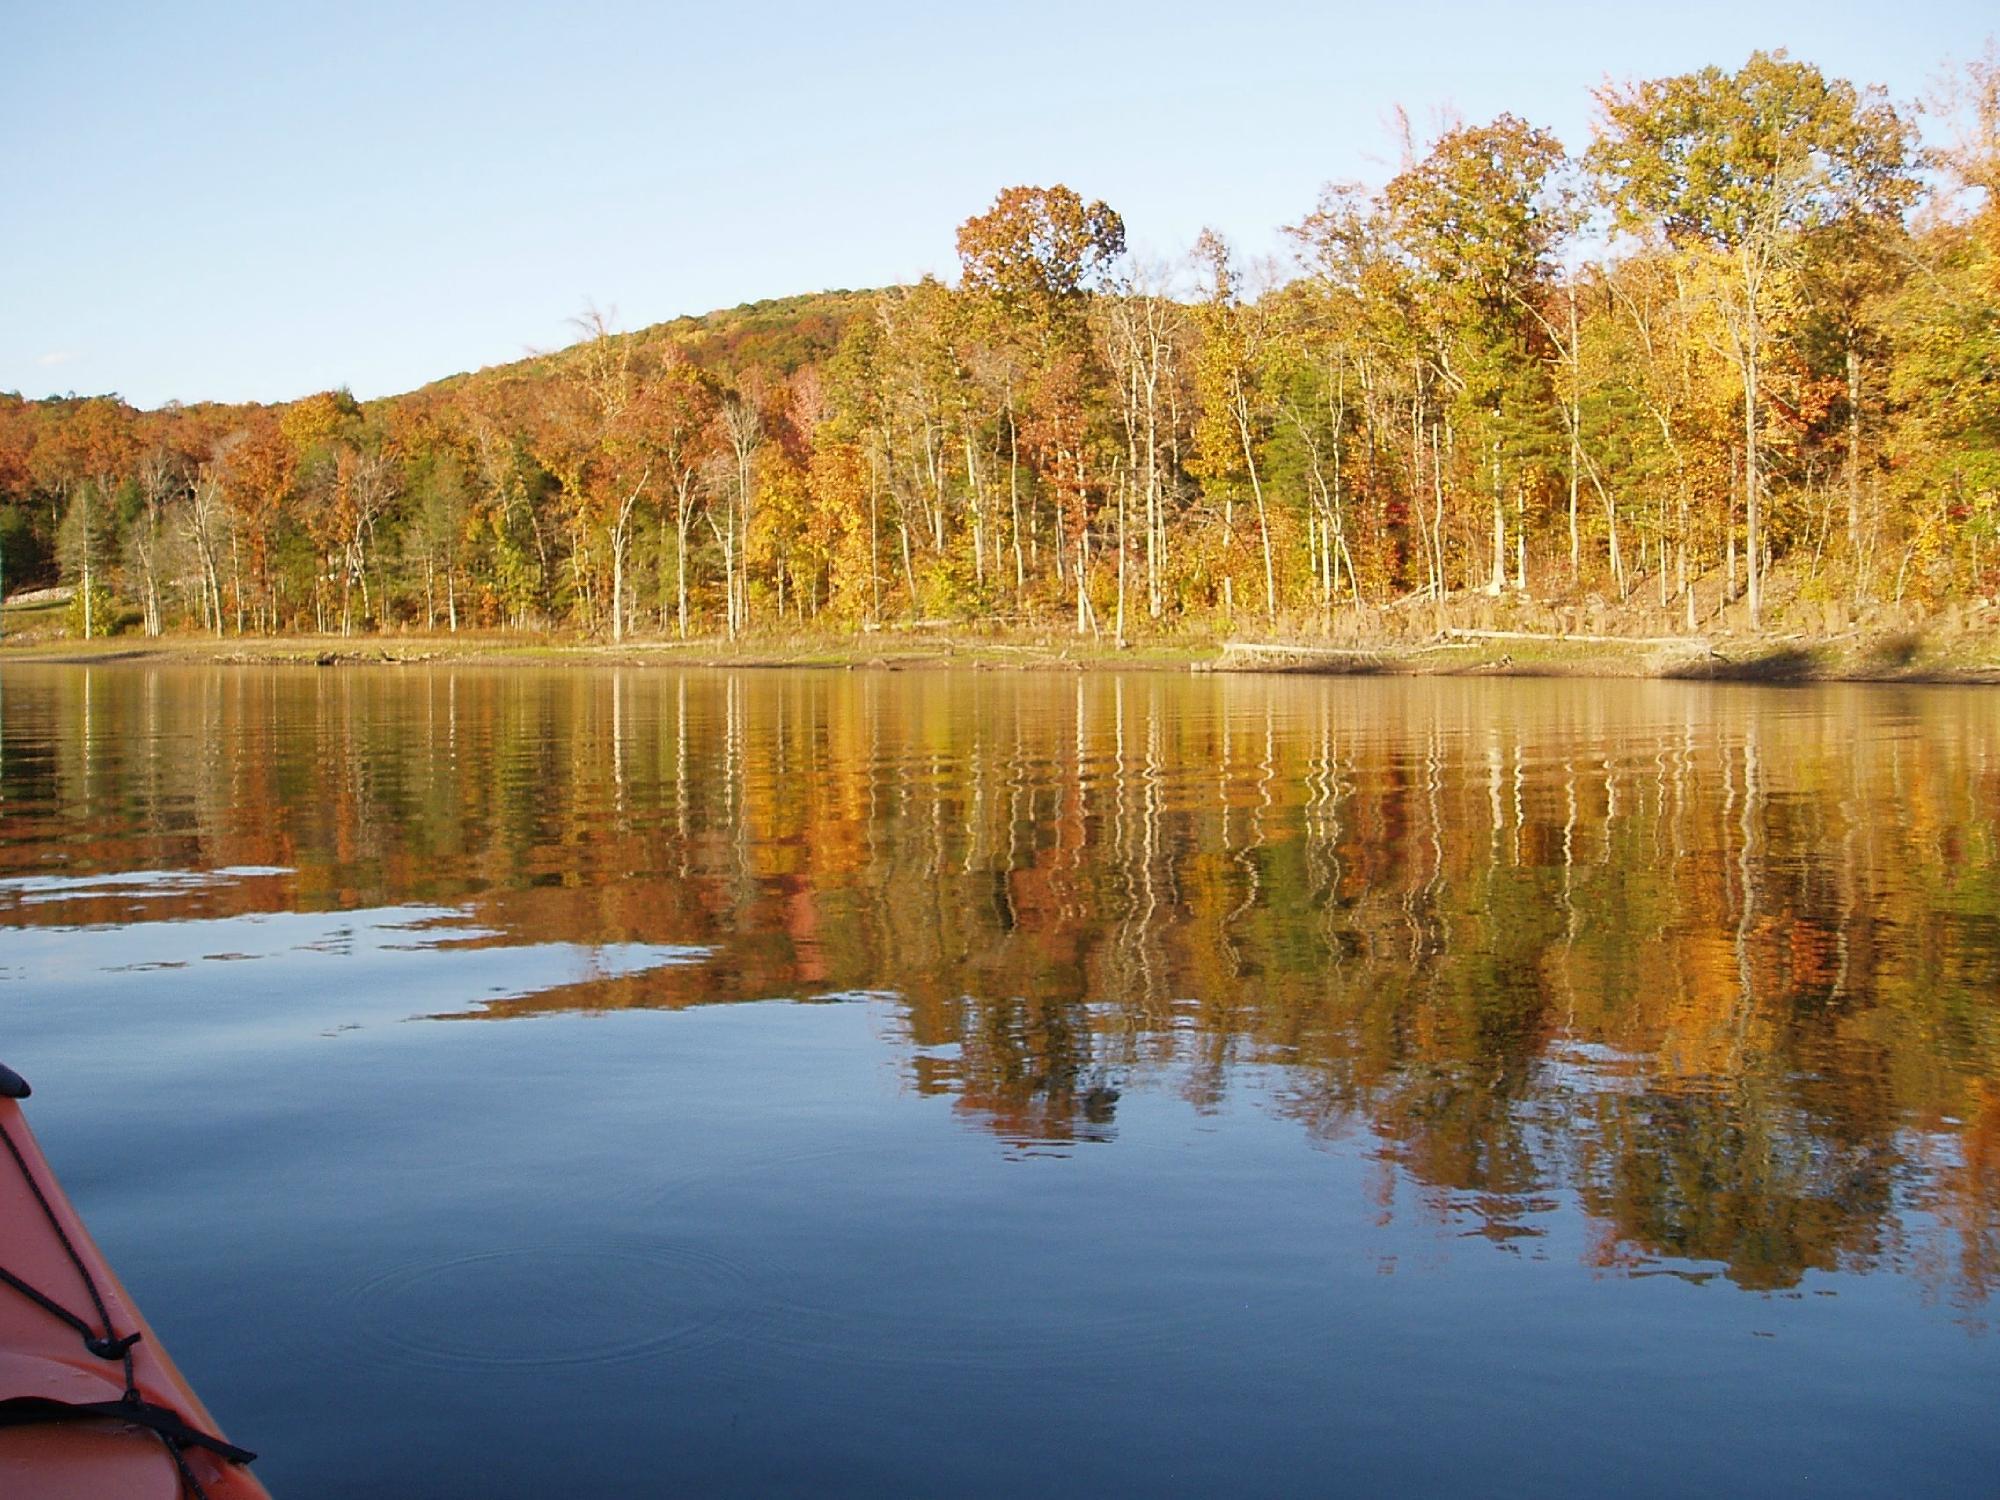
43	1356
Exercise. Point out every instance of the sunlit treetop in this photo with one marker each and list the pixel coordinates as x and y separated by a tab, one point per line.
1038	246
1733	158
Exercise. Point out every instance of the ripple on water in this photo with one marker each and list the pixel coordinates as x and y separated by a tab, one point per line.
817	1298
547	1306
958	1325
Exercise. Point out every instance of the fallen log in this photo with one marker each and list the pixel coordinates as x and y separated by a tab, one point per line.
1691	642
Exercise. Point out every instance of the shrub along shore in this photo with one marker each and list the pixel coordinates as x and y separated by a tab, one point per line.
1467	637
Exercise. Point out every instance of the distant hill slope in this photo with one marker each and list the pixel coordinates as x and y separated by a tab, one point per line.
777	336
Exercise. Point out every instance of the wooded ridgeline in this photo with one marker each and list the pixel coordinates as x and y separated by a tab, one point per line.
1752	331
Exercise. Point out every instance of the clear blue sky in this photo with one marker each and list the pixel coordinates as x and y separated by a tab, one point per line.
256	201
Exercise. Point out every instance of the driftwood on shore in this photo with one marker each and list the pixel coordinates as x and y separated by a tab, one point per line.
35	598
1280	656
1296	656
1690	642
1290	651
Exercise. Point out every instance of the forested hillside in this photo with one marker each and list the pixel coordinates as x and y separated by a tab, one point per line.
1750	332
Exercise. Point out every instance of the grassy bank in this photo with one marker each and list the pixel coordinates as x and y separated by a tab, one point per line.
1472	635
885	651
1889	656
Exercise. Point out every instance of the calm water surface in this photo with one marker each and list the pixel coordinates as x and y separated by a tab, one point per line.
517	1083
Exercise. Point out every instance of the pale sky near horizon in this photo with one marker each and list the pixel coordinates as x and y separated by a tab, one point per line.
257	201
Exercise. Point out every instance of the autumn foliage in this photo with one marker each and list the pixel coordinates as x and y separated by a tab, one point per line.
1739	358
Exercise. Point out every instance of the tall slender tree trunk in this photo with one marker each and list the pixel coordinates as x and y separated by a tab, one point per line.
1854	463
1086	619
1257	492
1014	501
1497	584
1119	631
874	541
681	565
1062	529
618	585
1575	424
1752	476
976	511
1417	506
89	604
1153	526
1437	520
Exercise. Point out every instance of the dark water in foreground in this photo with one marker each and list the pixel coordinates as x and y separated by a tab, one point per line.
522	1084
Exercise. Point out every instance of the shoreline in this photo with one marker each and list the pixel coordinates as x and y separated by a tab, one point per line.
1890	657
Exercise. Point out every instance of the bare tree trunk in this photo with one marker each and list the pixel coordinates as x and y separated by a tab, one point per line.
1575	424
89	621
1431	578
1854	464
1085	618
618	584
1613	551
1062	530
621	543
725	536
1013	501
1437	519
975	508
1242	404
680	564
1119	630
1153	548
200	515
744	427
1752	476
1497	584
875	540
1751	509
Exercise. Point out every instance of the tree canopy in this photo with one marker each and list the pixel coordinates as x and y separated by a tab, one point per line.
1774	392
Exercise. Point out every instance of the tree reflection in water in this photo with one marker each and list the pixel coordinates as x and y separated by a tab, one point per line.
1717	967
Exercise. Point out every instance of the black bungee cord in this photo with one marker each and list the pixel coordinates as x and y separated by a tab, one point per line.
163	1421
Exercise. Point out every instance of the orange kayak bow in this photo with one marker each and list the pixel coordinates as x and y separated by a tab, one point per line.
90	1405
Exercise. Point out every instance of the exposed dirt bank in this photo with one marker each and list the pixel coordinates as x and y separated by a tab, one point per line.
1957	656
1893	656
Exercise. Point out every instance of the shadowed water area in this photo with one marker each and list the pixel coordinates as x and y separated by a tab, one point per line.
511	1082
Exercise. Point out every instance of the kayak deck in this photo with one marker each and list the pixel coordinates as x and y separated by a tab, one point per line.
67	1330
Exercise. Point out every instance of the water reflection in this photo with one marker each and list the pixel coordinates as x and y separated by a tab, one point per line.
1714	967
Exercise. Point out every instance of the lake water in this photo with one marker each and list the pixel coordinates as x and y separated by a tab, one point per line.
520	1083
